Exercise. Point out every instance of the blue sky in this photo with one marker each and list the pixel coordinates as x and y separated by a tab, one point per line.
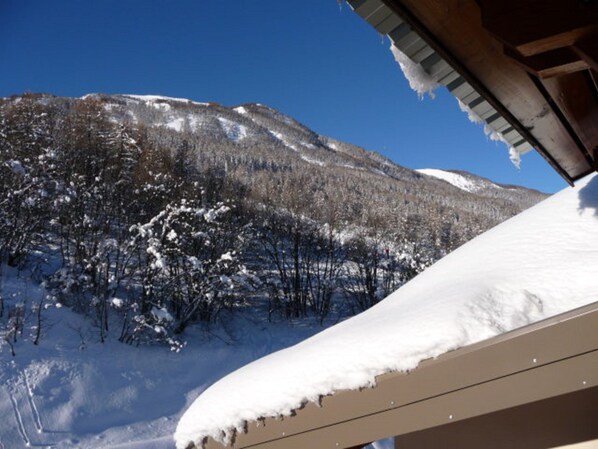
311	59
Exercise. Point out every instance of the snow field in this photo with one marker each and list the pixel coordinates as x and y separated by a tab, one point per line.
73	392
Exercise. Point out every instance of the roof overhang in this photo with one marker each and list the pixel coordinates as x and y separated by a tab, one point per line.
528	68
549	366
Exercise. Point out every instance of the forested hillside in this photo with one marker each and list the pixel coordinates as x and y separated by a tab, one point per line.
147	214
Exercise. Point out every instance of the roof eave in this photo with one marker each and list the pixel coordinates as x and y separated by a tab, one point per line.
533	112
548	359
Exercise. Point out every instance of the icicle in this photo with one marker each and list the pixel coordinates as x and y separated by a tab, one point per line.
418	79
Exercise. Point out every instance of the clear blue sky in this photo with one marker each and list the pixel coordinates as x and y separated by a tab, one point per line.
310	59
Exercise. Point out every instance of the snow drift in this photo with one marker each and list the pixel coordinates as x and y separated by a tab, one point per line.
536	265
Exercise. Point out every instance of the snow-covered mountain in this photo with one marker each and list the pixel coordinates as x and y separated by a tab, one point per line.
255	127
279	161
250	125
245	125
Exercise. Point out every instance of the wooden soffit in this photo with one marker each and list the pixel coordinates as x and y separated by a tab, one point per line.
526	67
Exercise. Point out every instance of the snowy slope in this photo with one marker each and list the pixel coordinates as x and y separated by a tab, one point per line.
461	181
537	264
155	98
73	392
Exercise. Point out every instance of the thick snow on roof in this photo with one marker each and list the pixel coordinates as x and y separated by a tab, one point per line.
535	265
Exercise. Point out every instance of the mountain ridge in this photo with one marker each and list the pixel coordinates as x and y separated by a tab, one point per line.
282	163
250	110
245	111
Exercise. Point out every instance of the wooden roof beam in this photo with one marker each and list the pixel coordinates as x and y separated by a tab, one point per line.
536	26
558	62
561	40
587	49
577	111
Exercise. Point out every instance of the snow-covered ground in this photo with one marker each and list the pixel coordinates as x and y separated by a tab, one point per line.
533	266
71	391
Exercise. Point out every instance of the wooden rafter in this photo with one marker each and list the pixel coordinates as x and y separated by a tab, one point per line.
536	26
556	41
557	62
454	28
486	70
587	49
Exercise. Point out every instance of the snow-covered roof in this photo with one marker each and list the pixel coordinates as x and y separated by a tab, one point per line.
533	266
